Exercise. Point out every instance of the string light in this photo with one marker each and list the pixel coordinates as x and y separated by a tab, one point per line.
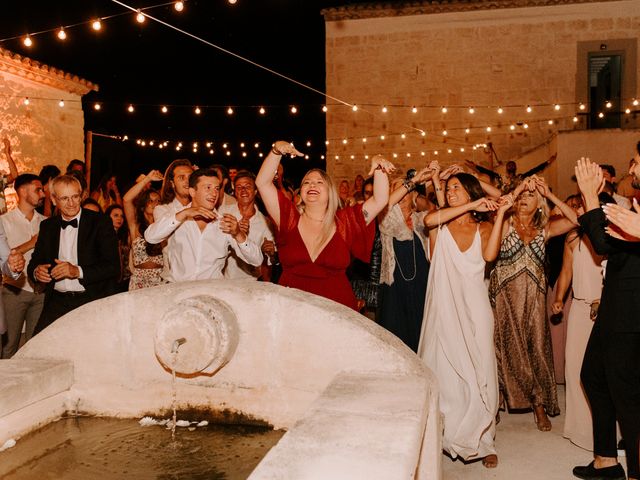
403	136
224	145
384	110
423	133
382	137
294	109
140	18
444	110
62	35
488	129
582	106
230	111
26	101
500	110
467	130
308	144
256	145
550	122
27	41
241	144
354	108
512	127
627	111
164	109
575	119
529	109
444	133
179	6
197	110
601	115
608	104
262	111
635	102
97	106
324	108
130	109
344	141
472	110
525	126
414	110
61	103
233	2
96	25
556	107
364	139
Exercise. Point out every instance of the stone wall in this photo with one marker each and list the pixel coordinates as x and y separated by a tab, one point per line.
497	57
42	132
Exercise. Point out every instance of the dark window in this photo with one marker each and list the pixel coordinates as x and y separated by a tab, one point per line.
605	85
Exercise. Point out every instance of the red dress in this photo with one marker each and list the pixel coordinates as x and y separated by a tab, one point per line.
327	275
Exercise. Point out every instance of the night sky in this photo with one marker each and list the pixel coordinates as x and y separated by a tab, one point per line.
150	64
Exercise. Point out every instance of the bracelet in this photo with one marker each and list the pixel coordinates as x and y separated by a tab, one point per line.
275	151
409	185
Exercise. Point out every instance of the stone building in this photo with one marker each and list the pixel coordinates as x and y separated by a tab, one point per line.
40	130
485	62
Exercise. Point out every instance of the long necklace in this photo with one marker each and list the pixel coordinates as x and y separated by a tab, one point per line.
415	265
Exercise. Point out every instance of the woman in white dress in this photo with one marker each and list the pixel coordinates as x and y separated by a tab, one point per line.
456	340
581	270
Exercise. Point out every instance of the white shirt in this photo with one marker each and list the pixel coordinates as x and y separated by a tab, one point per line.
624	202
20	230
258	230
68	252
192	254
159	212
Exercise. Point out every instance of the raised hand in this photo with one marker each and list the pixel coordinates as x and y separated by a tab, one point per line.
505	203
451	170
16	261
423	175
155	176
484	205
378	162
7	146
541	186
285	148
589	177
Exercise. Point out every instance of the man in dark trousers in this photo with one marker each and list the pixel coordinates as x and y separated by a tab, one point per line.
611	366
76	256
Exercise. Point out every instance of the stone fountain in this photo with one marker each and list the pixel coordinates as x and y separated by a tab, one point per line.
355	402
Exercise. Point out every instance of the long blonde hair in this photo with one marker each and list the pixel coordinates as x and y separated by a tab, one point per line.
332	205
542	214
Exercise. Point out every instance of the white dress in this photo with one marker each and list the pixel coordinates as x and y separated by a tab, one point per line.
456	343
587	287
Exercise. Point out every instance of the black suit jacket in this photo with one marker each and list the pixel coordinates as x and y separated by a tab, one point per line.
620	302
97	252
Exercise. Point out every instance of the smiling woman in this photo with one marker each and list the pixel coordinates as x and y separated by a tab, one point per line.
316	240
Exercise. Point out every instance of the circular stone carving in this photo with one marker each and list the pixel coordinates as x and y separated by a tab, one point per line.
199	335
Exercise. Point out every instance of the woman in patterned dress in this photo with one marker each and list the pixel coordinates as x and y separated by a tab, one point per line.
517	291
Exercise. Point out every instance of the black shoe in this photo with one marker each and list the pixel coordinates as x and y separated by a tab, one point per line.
608	473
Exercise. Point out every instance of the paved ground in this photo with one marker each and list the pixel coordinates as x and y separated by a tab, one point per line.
524	452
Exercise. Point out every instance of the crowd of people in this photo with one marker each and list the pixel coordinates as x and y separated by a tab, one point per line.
453	262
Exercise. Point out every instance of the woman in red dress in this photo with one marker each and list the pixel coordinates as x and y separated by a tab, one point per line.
315	240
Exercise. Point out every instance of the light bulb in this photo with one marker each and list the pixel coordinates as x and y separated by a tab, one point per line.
444	110
140	18
556	107
627	111
198	111
308	144
444	133
422	153
344	141
525	126
26	101
408	154
326	142
608	105
96	25
224	145
61	103
256	145
500	110
352	157
550	122
262	111
575	119
294	110
164	109
228	153
241	144
462	149
472	110
233	2
488	129
97	106
435	152
230	111
211	152
151	143
384	110
635	102
179	6
244	154
512	127
467	130
529	109
130	109
423	133
601	115
354	108
364	139
306	157
582	106
324	108
403	136
449	150
62	35
382	137
27	41
414	110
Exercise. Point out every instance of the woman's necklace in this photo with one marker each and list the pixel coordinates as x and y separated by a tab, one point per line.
415	265
311	218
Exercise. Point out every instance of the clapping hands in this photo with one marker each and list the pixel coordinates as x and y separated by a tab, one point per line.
378	162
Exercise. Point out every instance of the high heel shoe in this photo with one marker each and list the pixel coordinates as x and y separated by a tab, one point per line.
542	420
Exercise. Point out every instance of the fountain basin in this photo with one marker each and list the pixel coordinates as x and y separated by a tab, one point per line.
351	396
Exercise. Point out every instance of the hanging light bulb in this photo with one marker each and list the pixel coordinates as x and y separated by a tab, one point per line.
308	144
529	109
550	122
61	103
472	110
423	133
27	41
627	111
62	35
500	110
164	109
422	153
233	2
601	115
512	127
241	144
244	154
525	126
294	109
444	110
26	101
229	111
488	129
256	145
403	136
198	111
140	18
96	25
556	107
467	130
228	153
445	133
575	119
414	110
435	152
224	145
326	142
151	143
344	141
324	108
582	106
97	106
462	149
262	111
608	104
211	151
384	110
354	108
382	137
635	102
179	6
364	139
130	109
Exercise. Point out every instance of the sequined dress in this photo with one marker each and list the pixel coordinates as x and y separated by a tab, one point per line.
517	291
144	277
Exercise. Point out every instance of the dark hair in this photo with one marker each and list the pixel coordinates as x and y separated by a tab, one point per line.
123	232
224	173
140	204
244	174
75	162
24	179
610	169
91	201
167	193
203	172
48	172
103	183
474	190
604	197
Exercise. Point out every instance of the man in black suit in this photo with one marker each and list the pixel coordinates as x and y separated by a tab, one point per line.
611	366
76	255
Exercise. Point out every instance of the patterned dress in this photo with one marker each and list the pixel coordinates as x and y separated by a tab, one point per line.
144	277
517	291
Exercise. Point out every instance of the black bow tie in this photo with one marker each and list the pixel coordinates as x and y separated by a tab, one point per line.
71	223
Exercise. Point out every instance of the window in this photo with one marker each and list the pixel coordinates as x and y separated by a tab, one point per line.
605	90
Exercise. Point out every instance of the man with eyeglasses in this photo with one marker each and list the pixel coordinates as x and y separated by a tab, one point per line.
76	256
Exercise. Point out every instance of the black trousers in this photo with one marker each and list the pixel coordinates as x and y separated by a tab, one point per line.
611	378
57	304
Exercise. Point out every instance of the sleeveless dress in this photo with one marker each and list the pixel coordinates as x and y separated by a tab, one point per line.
587	287
326	276
518	290
456	343
144	277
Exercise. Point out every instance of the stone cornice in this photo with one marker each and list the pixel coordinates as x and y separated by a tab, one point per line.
40	73
427	7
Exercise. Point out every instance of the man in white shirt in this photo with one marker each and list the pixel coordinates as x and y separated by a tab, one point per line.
246	212
76	255
198	237
21	303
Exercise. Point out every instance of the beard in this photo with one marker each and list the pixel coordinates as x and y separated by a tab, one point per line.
635	181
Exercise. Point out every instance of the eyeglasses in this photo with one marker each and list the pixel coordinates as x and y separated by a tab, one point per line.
72	198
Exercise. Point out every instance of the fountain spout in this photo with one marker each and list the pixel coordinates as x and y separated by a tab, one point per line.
177	343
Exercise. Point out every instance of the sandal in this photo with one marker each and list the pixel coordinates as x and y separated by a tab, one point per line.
490	461
542	421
